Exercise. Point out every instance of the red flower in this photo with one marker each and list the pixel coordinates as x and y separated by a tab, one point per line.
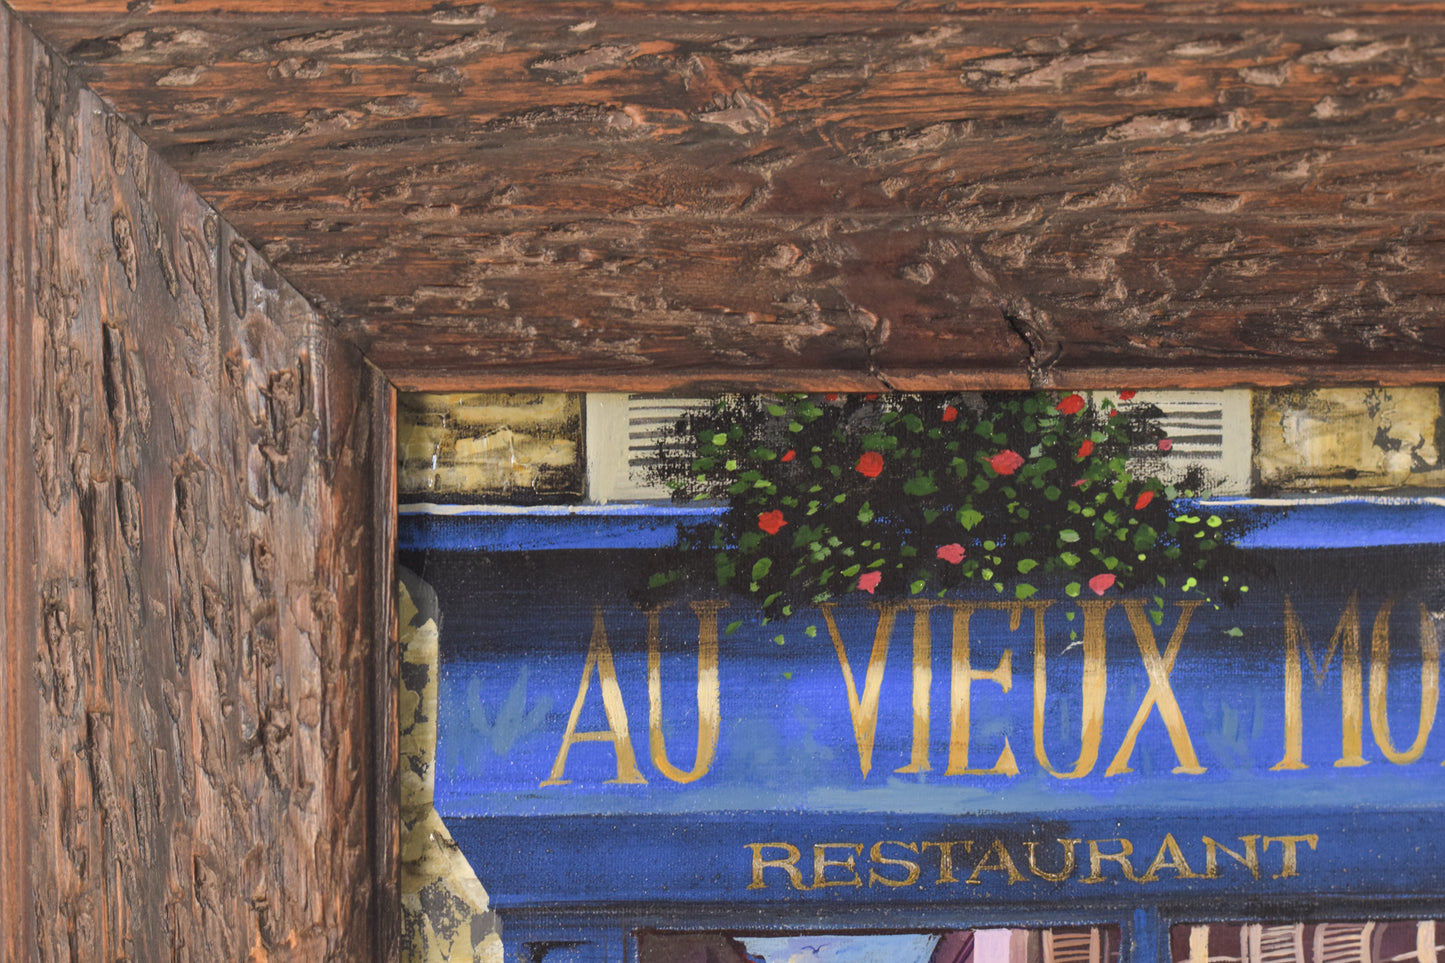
1127	395
868	581
1114	413
952	553
1006	462
830	397
789	455
872	397
1165	444
1086	449
1071	405
1143	501
1101	583
950	413
870	464
770	522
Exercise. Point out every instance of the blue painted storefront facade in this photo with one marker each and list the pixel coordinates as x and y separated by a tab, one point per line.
1236	765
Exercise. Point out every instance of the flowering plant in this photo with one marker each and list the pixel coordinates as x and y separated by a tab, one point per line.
913	495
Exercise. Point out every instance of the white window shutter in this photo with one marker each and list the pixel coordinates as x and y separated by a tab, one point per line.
623	432
1211	430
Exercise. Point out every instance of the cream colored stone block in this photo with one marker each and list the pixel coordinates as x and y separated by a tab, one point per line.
490	445
1348	438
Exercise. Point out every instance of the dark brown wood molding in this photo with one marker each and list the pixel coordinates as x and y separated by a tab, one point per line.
198	679
18	745
199	718
383	781
852	193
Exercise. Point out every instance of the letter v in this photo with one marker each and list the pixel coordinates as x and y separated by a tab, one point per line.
864	712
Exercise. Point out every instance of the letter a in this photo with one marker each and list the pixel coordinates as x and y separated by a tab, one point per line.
599	655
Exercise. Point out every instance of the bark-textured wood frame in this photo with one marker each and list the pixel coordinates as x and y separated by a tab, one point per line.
198	678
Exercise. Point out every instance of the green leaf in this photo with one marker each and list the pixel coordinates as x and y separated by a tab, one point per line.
968	518
732	627
720	439
1027	565
1022	591
920	485
1068	535
1235	633
865	514
761	568
1072	590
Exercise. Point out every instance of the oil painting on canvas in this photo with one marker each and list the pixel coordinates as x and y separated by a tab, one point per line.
1016	677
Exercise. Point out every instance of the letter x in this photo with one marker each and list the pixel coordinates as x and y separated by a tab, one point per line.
1160	694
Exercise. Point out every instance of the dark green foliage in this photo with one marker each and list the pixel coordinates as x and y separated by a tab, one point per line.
908	495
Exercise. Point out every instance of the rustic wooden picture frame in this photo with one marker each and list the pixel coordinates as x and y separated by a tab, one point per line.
198	682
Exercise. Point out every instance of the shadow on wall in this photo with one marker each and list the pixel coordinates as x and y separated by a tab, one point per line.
444	907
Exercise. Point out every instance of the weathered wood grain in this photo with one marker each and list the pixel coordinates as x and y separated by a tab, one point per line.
18	756
969	193
199	713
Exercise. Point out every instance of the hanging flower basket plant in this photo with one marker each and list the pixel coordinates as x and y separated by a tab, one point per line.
925	495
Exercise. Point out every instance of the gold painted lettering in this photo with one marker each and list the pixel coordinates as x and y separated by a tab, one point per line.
912	868
1294	726
1352	687
1289	865
1176	861
1095	687
1003	863
709	716
922	688
599	656
788	864
821	865
1380	677
1250	859
1097	860
1347	632
1160	695
962	678
1056	877
864	711
945	857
